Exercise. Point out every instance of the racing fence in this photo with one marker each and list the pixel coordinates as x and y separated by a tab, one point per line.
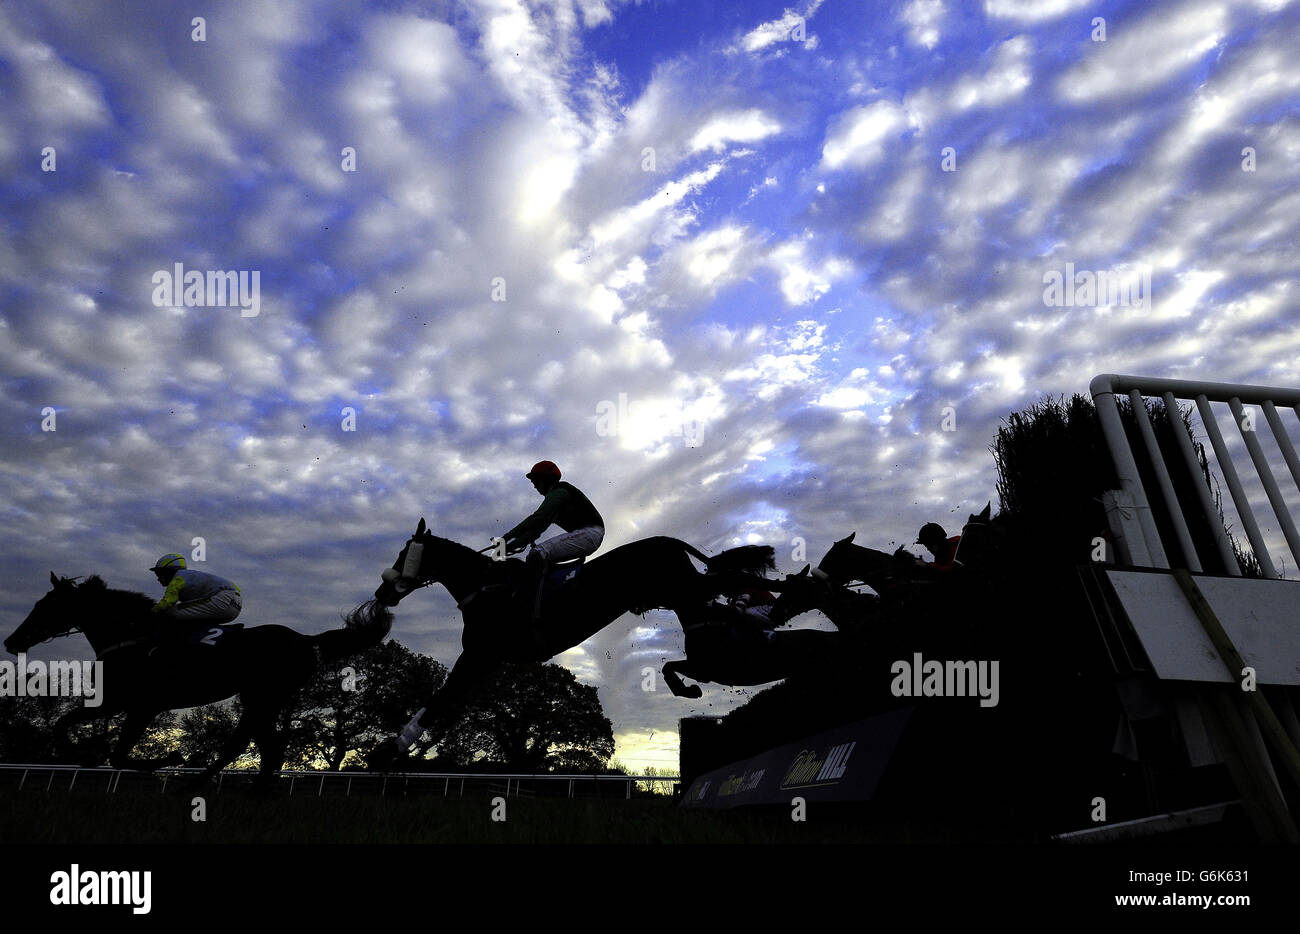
1249	408
1215	647
64	778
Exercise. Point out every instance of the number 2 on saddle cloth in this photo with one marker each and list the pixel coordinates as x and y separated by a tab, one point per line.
198	634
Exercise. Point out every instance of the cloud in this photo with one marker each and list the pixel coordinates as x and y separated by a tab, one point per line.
859	137
1145	54
804	280
780	30
923	18
54	94
1031	10
748	126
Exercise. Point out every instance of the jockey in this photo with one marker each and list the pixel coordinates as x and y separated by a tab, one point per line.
563	505
755	606
943	548
194	596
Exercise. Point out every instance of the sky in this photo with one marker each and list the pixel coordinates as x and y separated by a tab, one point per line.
747	272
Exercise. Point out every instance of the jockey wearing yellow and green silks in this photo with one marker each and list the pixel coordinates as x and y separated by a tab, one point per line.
194	596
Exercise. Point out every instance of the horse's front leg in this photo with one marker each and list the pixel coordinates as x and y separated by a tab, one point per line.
137	721
231	749
471	671
271	744
468	676
63	744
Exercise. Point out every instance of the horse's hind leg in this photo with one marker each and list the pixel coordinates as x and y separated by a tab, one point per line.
235	744
271	743
672	672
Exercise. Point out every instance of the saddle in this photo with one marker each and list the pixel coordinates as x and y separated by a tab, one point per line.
560	574
513	576
212	633
194	634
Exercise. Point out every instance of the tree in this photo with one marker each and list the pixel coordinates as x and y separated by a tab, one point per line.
27	732
350	706
204	730
532	718
27	727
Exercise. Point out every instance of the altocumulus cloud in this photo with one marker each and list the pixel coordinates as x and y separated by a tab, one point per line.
727	225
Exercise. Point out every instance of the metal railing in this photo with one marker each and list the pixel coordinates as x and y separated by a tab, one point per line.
303	781
1146	549
1217	724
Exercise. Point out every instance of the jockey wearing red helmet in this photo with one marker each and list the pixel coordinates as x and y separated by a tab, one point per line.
563	505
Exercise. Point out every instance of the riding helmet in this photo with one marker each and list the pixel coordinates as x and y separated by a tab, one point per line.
174	561
543	469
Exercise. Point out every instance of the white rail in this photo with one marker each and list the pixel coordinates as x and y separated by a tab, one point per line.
1147	550
316	779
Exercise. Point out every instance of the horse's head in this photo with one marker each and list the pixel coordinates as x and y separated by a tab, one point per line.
979	540
979	518
425	559
407	571
799	595
836	566
48	618
809	588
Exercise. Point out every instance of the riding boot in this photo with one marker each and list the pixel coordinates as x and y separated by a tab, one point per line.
530	586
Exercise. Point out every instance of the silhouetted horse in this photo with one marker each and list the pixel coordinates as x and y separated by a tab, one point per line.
726	648
653	572
845	564
895	577
264	665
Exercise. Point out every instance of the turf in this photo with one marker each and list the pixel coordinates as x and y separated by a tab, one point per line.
238	817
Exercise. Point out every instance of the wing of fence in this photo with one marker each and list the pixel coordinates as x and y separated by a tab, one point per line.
1185	630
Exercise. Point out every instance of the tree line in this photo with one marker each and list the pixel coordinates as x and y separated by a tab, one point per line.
533	718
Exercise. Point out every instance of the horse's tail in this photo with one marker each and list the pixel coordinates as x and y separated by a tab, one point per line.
744	558
364	627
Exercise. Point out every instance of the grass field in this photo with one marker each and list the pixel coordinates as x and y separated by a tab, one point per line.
95	817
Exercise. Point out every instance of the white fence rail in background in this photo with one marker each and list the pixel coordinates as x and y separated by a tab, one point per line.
1140	545
305	782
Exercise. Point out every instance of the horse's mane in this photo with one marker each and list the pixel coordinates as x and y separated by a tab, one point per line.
430	537
129	600
465	550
